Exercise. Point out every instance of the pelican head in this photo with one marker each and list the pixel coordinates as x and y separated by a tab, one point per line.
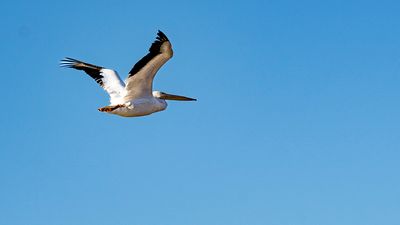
165	96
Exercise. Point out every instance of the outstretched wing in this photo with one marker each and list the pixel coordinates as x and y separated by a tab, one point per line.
139	83
106	78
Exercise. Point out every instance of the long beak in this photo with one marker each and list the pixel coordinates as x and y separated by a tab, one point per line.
176	97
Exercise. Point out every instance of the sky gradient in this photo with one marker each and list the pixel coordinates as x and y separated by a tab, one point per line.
297	118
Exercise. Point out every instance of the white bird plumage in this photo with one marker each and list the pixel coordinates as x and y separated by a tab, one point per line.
135	97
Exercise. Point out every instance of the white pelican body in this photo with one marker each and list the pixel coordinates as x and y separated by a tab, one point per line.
134	97
141	107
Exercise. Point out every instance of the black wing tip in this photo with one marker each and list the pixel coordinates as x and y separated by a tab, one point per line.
161	36
92	70
68	62
69	59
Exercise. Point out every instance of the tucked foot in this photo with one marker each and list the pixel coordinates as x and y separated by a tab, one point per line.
110	108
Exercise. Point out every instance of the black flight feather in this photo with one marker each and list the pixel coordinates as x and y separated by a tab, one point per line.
92	70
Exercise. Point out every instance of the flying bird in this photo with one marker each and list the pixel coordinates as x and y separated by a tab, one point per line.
135	96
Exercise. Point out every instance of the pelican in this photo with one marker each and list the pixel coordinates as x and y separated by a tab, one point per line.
135	97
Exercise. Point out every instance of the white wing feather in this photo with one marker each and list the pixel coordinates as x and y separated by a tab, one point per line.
113	85
108	79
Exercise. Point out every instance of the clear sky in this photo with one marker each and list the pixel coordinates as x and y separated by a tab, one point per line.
296	123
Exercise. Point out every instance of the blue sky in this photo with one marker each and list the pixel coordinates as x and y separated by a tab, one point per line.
297	118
